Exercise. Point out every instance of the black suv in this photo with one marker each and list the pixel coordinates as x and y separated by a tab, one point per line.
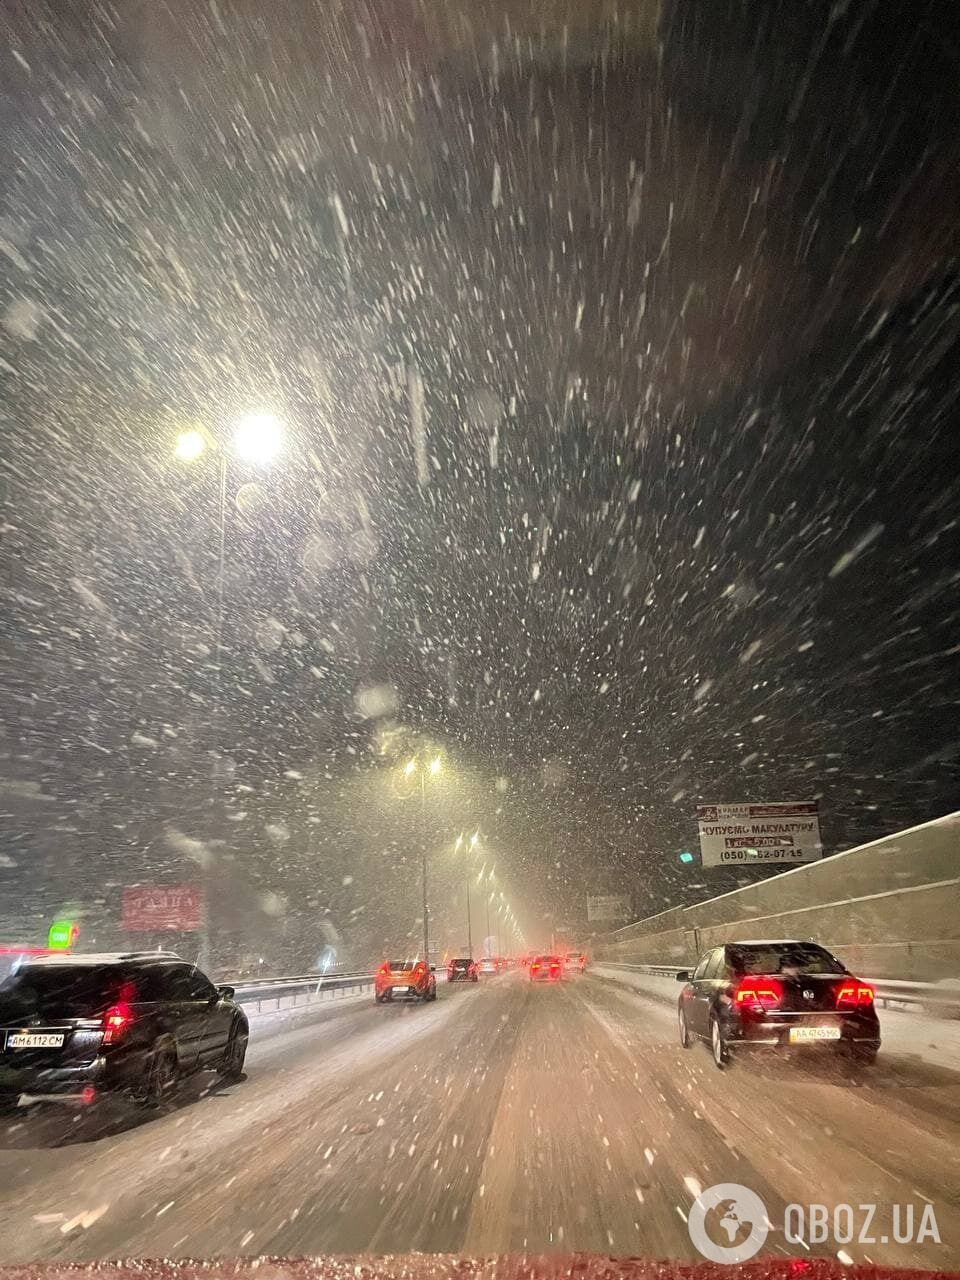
73	1027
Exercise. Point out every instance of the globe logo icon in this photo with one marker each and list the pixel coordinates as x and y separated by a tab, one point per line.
728	1223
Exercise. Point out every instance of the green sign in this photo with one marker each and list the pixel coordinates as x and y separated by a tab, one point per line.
686	856
62	935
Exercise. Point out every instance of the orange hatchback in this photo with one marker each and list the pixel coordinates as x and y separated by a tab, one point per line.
404	980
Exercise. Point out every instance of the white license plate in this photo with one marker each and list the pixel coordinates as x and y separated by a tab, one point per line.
401	991
800	1034
35	1040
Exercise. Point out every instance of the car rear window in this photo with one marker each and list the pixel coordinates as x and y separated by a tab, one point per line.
77	991
401	966
783	957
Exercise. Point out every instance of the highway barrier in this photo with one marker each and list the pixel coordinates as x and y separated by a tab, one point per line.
265	994
930	997
889	908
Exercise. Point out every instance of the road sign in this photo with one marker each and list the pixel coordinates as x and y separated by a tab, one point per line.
608	907
149	908
61	935
738	835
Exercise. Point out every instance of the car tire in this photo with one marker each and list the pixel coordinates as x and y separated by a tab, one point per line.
161	1083
718	1046
686	1040
378	997
231	1068
865	1057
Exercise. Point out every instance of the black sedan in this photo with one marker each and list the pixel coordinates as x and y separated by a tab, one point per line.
777	995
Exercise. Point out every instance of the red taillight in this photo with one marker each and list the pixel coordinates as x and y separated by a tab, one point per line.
534	968
383	971
854	995
115	1022
759	994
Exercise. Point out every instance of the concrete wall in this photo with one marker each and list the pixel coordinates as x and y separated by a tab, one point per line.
890	909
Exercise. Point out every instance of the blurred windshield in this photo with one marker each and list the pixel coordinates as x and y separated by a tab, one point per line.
481	479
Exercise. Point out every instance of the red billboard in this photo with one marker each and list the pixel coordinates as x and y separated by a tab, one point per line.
147	908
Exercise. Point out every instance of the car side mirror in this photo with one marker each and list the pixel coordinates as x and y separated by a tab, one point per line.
683	975
225	993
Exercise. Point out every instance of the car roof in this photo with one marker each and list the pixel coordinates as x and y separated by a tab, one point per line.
769	942
91	958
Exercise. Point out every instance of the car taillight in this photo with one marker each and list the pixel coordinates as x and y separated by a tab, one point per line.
758	994
115	1022
854	995
383	971
534	967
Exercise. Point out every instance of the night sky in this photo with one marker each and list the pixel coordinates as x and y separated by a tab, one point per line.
616	349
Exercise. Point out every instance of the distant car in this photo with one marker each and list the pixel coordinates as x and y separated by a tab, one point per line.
546	969
488	967
777	995
463	970
404	980
73	1027
575	961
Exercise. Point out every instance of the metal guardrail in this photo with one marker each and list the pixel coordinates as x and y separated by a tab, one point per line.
928	995
311	987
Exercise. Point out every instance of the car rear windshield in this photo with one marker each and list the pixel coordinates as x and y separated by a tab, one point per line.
462	964
401	966
69	991
775	957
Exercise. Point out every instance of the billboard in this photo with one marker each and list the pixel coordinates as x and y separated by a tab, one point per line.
165	906
608	907
733	835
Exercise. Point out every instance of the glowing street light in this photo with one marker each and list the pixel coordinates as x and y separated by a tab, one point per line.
258	437
189	446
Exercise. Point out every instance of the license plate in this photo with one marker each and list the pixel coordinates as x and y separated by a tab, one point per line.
800	1034
35	1040
401	991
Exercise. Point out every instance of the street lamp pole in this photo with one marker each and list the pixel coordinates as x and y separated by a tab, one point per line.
423	860
469	925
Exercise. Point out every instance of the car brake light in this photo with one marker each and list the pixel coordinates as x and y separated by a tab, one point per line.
854	995
758	994
534	966
115	1022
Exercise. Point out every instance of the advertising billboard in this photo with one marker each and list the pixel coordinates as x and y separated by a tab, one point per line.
147	908
734	835
608	908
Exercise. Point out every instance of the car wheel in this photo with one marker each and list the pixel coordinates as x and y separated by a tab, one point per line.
378	997
161	1079
685	1039
232	1066
718	1045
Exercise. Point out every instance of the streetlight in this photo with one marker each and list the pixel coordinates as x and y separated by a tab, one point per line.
456	848
256	439
189	446
424	769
